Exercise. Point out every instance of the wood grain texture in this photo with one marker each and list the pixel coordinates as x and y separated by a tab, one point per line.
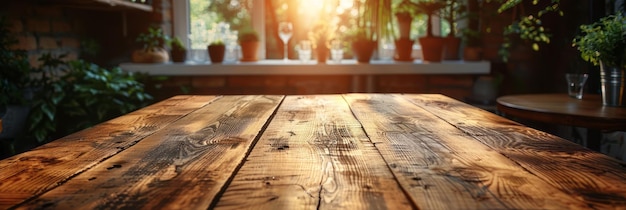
443	168
34	172
314	155
585	175
183	166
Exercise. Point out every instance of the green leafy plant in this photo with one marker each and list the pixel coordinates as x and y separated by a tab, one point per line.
603	41
405	8
452	12
217	43
321	34
526	27
373	21
153	39
177	44
17	78
248	35
85	95
430	8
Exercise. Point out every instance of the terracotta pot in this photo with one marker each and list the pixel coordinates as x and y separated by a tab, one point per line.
451	48
432	48
157	55
473	53
404	49
363	50
216	53
322	54
179	55
249	51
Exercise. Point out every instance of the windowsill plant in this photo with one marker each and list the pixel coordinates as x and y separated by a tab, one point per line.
152	47
432	46
179	51
217	49
404	11
249	42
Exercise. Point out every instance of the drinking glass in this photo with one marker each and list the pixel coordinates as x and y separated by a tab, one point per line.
304	51
576	84
285	31
336	51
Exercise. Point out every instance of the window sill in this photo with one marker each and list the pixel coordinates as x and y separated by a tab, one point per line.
295	67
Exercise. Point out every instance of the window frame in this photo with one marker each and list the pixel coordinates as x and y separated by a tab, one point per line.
181	23
180	10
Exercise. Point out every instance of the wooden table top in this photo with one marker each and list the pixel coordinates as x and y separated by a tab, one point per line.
562	109
350	151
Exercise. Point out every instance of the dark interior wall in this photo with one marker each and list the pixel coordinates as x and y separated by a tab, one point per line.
542	71
52	26
60	27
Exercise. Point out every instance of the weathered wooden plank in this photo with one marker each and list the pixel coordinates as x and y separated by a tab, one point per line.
314	155
441	167
589	176
182	166
34	172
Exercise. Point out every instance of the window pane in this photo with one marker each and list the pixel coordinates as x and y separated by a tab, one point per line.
339	16
217	21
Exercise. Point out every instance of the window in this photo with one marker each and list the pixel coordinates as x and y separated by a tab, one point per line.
195	18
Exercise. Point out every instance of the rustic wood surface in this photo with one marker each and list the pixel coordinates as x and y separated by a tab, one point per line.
562	109
314	154
32	173
350	151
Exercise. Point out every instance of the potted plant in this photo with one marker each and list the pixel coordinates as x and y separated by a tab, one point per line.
472	35
432	46
603	43
179	51
249	41
372	23
152	51
363	45
452	11
473	49
404	11
217	49
321	34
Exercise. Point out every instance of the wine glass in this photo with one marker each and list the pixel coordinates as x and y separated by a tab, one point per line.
285	31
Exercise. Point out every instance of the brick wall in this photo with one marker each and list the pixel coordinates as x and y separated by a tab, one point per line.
58	27
42	28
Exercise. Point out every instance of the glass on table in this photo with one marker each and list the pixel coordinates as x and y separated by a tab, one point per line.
575	84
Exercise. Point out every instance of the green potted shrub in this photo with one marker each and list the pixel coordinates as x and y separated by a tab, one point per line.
603	43
363	45
320	35
373	20
453	11
217	49
179	51
432	46
404	11
249	42
153	50
473	49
